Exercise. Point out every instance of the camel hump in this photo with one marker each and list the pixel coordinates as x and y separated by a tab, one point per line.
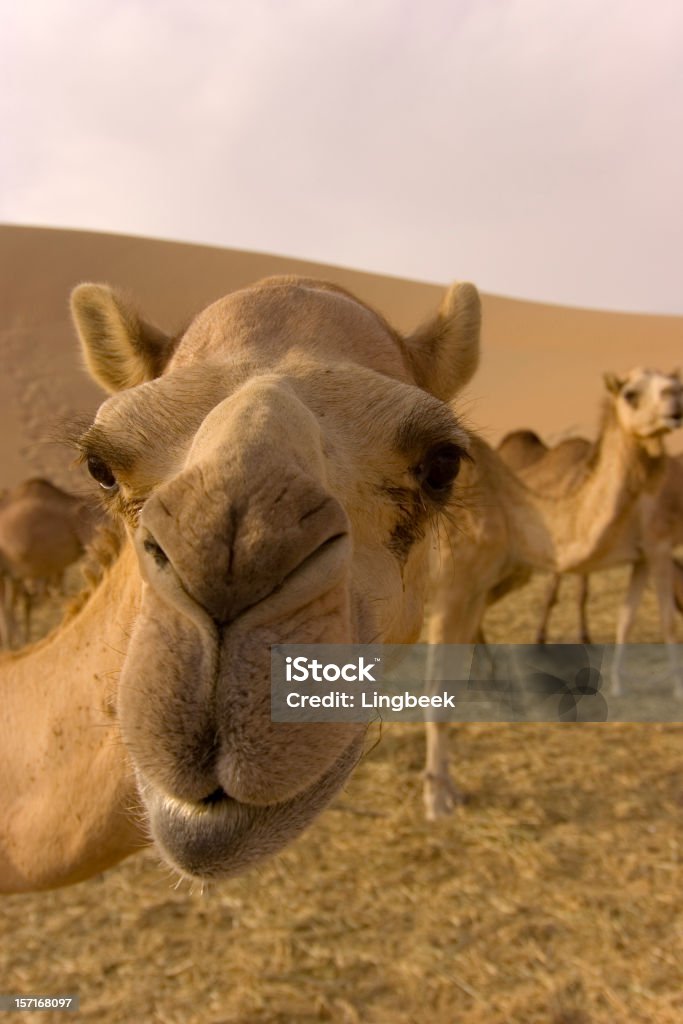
39	487
521	448
43	529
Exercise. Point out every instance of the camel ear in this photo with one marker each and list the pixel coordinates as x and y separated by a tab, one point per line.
444	353
613	383
120	349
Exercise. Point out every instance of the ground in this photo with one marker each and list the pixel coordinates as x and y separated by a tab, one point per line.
550	897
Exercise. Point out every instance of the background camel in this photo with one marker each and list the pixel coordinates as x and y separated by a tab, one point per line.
275	473
647	540
511	528
523	448
43	530
657	530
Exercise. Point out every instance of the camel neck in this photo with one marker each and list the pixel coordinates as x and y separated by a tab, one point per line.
631	462
66	791
620	468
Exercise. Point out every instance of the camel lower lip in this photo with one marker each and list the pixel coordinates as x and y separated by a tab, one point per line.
221	837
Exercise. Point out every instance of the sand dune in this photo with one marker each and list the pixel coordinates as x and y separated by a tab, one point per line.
542	365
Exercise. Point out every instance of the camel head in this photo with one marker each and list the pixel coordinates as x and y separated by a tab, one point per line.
648	404
278	469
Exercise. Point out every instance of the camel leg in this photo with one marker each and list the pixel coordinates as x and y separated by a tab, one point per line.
678	584
28	611
584	635
6	612
627	614
550	602
441	795
662	570
14	592
23	603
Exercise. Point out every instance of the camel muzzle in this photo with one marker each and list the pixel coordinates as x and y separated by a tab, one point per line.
238	559
200	727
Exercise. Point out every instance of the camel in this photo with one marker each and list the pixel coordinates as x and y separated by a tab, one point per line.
647	541
276	473
510	528
656	531
523	448
43	530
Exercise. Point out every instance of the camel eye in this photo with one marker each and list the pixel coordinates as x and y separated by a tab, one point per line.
631	397
439	469
101	472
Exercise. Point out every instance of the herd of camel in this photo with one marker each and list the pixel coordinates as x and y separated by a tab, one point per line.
654	531
290	469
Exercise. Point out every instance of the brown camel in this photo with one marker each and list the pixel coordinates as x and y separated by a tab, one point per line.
43	530
276	472
510	528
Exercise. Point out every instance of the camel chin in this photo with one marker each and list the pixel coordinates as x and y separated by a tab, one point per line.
222	836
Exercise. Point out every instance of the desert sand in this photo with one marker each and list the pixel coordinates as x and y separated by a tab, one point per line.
542	365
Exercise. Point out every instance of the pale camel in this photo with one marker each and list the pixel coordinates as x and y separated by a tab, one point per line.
657	529
646	540
523	448
43	530
509	528
277	471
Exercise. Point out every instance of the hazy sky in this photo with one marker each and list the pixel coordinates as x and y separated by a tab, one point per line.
533	147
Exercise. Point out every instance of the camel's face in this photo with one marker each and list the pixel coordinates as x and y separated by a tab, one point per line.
279	480
648	403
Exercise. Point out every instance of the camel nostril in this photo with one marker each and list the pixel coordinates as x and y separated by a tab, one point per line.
156	551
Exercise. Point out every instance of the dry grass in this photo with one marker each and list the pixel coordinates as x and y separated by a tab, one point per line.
552	897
